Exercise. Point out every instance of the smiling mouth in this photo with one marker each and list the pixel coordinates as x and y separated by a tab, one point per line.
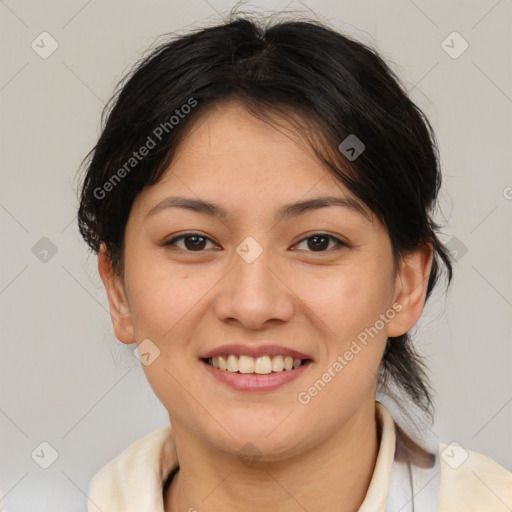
262	365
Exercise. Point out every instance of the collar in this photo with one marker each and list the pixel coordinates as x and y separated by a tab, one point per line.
134	480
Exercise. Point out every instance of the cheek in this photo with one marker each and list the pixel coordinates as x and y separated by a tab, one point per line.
164	295
347	301
349	306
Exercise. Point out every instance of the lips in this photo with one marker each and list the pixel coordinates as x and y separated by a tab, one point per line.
255	368
255	351
254	382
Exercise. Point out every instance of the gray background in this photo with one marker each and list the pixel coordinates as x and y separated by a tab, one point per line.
66	380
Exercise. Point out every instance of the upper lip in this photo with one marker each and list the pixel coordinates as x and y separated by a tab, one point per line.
254	351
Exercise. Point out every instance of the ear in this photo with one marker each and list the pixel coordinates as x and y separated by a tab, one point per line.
118	302
411	289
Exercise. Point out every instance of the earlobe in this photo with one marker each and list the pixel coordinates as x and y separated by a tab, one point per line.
118	302
410	289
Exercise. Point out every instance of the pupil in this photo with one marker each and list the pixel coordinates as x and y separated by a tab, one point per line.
195	244
321	245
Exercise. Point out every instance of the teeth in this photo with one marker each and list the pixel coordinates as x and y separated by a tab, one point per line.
260	365
232	363
245	364
263	365
277	364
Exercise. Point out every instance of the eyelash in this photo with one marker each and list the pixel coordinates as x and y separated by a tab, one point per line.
173	241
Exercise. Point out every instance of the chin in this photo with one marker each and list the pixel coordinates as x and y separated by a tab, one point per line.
259	437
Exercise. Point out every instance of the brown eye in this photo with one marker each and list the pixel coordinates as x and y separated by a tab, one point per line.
319	242
192	242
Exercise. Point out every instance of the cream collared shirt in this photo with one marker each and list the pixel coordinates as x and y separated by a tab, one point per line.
133	481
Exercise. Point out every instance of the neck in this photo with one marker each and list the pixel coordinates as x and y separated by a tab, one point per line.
337	471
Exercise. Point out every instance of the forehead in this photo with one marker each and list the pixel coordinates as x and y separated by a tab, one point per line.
244	163
228	147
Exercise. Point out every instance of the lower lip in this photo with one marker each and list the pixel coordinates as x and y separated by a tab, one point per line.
254	382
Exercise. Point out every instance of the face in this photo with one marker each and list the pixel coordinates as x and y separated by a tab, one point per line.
262	279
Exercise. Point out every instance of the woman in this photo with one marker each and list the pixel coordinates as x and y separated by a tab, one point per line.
261	203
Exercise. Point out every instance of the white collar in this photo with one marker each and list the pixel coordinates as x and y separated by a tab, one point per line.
133	481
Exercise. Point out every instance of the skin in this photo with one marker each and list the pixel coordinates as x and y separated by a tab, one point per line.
318	456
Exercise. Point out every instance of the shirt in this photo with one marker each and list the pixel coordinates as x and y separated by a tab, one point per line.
469	481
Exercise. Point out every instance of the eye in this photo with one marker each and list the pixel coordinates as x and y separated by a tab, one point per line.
196	242
319	242
193	242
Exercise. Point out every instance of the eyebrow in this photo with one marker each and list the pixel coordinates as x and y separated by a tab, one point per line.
285	212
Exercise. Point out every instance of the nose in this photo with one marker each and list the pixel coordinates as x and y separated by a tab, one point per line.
254	294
